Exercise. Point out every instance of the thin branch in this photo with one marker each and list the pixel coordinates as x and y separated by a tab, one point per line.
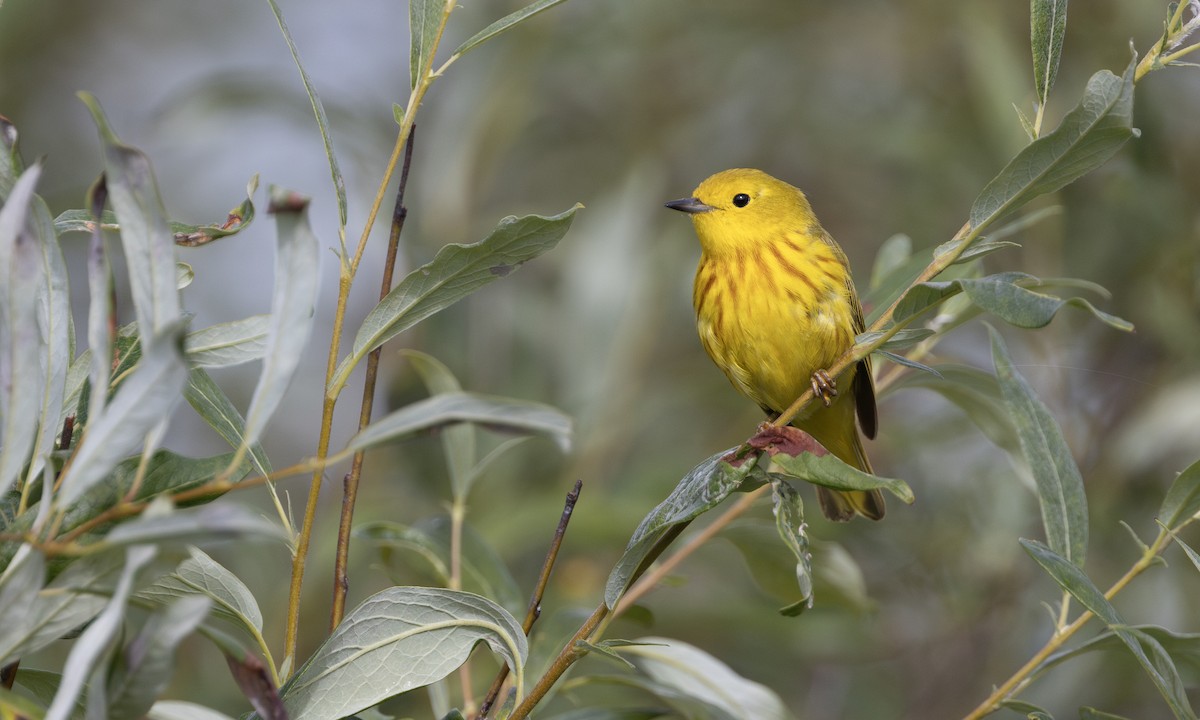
535	602
341	582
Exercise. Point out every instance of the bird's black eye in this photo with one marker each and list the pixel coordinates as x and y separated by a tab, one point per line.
741	200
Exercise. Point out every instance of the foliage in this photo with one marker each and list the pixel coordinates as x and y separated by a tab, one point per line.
102	526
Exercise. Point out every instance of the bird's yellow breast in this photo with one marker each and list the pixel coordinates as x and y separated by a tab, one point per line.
774	313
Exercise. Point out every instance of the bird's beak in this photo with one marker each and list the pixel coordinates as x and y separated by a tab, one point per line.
689	205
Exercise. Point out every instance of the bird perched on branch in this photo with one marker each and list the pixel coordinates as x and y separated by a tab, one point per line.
775	308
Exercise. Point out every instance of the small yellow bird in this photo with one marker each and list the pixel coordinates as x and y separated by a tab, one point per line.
775	307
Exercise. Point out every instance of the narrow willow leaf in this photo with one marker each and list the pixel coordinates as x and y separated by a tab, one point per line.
100	309
1184	648
828	471
184	275
1047	26
339	183
902	339
700	490
424	26
455	272
979	250
977	394
1026	123
499	413
892	255
1028	709
1147	650
144	670
143	400
228	344
215	408
188	235
205	524
200	575
1192	554
505	23
458	441
145	236
704	677
70	600
19	587
297	255
1183	498
399	639
1059	484
906	362
789	523
1087	137
97	639
22	348
1089	713
1005	295
180	710
483	571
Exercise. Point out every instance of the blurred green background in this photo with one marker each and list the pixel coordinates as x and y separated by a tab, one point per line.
891	116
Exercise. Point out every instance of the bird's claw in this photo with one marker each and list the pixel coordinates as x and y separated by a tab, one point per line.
824	387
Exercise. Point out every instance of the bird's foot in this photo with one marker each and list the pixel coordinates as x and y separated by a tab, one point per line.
824	387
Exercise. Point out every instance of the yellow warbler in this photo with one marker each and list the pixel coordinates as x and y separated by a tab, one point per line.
775	306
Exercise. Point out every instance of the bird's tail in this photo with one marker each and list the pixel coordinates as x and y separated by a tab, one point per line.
840	437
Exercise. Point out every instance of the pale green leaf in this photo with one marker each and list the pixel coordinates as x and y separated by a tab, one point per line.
1059	484
828	471
1047	26
230	343
145	235
504	414
19	587
180	710
297	255
455	272
1183	498
201	575
218	411
458	440
425	19
505	23
892	255
144	670
1087	137
397	640
789	523
145	399
1145	648
694	672
204	524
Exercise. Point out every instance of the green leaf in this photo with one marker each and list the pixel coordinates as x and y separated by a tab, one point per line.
892	255
699	675
1059	484
238	219
458	441
339	183
977	394
215	408
1028	709
455	272
1047	26
97	640
22	347
700	490
19	587
180	710
228	344
205	524
1192	554
1183	498
1087	713
1184	648
828	471
789	523
100	313
200	575
503	24
505	414
1087	137
293	301
145	236
143	401
143	671
483	570
400	639
424	27
906	362
902	339
1005	295
1147	650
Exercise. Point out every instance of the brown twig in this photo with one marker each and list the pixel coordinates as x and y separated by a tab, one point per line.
341	582
535	601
